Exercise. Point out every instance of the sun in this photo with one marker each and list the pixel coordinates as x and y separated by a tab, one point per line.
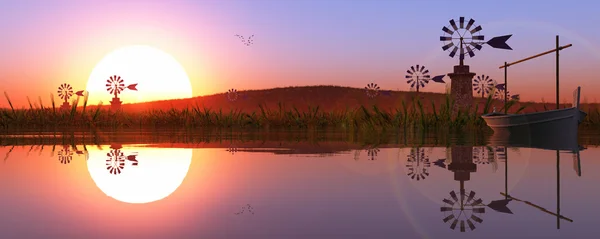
153	174
157	74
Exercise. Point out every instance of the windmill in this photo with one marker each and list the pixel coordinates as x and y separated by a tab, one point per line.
417	164
372	90
462	207
115	86
461	40
65	92
115	161
372	153
65	155
232	95
248	41
500	92
483	85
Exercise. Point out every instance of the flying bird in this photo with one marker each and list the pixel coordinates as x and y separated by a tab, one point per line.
246	42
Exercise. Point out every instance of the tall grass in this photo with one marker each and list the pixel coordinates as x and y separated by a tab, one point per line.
409	115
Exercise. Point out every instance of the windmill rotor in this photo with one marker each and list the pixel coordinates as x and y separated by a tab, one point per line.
232	95
483	85
65	155
372	153
465	37
115	162
462	209
417	164
115	85
417	76
372	90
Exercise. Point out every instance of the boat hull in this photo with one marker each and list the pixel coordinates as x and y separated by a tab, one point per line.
552	127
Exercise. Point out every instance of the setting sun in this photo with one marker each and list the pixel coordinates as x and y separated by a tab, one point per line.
157	74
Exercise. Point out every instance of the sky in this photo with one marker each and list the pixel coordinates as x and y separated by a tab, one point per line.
296	42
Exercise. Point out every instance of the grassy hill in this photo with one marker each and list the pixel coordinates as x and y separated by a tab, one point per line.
327	98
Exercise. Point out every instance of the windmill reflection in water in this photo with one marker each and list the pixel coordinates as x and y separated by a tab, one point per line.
464	208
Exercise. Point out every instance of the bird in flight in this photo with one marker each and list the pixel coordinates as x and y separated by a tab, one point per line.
248	41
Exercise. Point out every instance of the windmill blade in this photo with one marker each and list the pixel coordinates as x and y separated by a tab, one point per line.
408	77
426	71
412	68
447	46
500	42
471	196
500	206
445	38
470	51
409	72
476	29
453	53
479	37
445	29
476	219
453	195
417	67
461	21
471	22
462	226
453	24
453	225
477	46
448	218
471	225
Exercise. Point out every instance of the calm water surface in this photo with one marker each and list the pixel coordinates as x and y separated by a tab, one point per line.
296	189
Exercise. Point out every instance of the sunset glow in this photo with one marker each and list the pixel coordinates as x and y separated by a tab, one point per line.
295	43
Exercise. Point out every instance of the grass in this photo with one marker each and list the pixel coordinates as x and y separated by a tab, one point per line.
408	115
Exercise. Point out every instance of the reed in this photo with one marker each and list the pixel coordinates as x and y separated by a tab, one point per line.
409	115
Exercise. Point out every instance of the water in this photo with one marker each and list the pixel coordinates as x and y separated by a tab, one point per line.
292	187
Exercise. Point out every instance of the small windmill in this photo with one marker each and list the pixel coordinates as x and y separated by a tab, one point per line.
115	161
65	92
418	77
115	86
417	164
499	93
65	155
372	153
232	95
372	90
483	85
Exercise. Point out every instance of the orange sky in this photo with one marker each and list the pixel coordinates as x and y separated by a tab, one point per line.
307	43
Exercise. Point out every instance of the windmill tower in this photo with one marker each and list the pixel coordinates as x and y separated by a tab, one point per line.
463	39
115	86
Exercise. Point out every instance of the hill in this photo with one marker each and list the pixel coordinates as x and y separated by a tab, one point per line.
327	98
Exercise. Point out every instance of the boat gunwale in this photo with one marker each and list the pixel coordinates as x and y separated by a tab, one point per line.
526	114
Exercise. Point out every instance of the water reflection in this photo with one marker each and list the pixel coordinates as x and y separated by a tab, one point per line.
418	164
384	195
138	174
115	162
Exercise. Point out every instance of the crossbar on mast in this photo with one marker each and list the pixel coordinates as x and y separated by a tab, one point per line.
538	55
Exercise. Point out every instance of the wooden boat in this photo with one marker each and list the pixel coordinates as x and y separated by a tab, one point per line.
548	125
